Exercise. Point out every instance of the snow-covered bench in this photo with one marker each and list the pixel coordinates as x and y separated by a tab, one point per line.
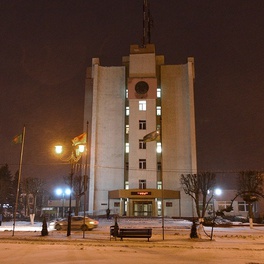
130	232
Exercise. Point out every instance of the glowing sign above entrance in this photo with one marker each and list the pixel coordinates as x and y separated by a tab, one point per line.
141	193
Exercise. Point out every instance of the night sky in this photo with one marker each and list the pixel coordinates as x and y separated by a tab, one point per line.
45	47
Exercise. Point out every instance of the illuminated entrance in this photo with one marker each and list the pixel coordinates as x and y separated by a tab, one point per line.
144	202
142	208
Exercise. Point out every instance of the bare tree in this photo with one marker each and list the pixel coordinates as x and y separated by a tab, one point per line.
198	186
78	188
250	188
32	187
6	191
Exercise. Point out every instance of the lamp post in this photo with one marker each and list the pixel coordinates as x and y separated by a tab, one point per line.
76	154
217	192
61	192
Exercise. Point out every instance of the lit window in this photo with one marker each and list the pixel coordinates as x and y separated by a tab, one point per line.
142	124
159	93
142	144
127	147
127	110
126	93
223	205
127	129
159	185
158	110
142	105
158	147
142	164
126	185
142	184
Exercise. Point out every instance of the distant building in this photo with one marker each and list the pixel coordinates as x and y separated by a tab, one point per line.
240	207
125	103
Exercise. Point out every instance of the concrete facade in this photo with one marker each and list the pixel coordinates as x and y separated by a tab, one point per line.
124	104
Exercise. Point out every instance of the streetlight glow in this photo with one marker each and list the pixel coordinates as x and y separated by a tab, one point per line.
218	191
58	149
81	148
63	192
68	191
59	191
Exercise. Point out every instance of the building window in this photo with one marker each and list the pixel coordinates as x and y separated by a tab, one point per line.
127	166
126	93
126	185
159	185
242	207
127	110
159	166
142	144
127	147
158	110
142	106
158	147
142	124
142	164
223	205
142	184
159	93
127	129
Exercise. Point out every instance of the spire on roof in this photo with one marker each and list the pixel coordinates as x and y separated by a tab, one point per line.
147	23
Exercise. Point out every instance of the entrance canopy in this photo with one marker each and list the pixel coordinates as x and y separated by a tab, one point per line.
144	193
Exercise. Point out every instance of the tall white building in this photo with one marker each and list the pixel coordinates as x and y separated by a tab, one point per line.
122	105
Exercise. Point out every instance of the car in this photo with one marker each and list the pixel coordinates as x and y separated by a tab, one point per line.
77	222
217	222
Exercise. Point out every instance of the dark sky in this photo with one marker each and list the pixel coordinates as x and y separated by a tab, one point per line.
45	47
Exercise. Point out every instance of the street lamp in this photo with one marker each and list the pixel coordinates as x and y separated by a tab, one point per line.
61	192
217	192
78	147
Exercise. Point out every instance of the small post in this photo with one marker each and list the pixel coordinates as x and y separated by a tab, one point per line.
44	231
116	228
194	231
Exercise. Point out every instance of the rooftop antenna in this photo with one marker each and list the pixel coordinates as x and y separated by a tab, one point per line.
147	23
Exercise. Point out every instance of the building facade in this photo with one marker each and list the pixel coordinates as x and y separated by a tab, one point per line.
130	173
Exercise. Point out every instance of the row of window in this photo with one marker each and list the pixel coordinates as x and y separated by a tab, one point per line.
142	184
142	145
142	164
142	125
143	107
158	93
221	205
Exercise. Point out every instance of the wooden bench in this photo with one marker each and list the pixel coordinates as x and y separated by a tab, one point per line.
130	233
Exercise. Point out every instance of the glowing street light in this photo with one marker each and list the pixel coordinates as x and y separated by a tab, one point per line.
61	192
78	147
217	192
58	149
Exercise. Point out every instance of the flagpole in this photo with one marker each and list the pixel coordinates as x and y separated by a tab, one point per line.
162	184
85	177
19	177
155	136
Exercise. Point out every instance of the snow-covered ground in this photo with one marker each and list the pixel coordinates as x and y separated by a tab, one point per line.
238	244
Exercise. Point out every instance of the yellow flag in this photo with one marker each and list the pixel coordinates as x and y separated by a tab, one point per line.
17	139
79	140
